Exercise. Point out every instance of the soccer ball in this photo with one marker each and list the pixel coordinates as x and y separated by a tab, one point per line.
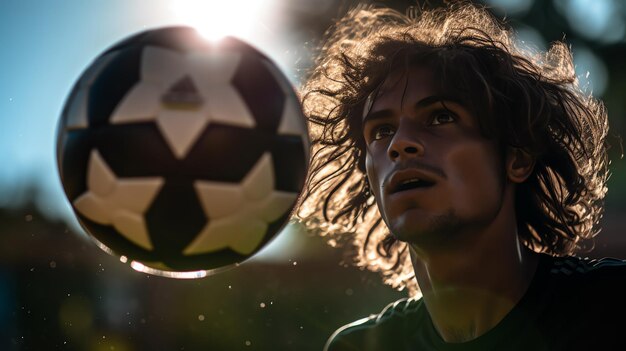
182	155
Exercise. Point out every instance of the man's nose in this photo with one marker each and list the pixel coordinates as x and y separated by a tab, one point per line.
405	143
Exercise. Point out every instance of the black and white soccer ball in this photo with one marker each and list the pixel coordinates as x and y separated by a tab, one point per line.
181	154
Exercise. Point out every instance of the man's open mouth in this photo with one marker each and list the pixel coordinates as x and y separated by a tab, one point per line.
413	183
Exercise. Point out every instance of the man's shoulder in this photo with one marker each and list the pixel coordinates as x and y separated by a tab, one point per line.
377	330
591	270
588	300
600	282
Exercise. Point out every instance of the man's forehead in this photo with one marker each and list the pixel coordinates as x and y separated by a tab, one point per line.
419	76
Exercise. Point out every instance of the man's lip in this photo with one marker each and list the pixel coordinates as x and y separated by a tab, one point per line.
396	178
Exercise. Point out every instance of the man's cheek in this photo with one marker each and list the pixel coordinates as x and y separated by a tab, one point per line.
474	181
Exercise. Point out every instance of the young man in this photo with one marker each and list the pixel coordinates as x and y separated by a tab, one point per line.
468	171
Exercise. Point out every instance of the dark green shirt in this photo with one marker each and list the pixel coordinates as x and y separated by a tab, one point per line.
571	304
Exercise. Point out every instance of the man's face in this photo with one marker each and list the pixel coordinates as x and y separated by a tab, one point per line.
432	172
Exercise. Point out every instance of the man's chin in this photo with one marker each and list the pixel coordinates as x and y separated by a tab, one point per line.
421	229
411	233
409	228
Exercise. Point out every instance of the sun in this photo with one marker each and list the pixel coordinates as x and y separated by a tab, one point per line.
215	19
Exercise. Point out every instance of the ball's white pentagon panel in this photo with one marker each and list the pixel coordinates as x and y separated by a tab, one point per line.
181	129
76	117
105	212
141	104
95	68
162	67
226	106
259	182
208	69
275	205
133	226
212	69
219	199
100	178
135	194
244	229
93	207
239	232
109	200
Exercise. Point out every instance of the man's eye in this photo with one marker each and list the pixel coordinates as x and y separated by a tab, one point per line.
442	118
382	131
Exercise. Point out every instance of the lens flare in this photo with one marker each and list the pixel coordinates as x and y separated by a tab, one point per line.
215	19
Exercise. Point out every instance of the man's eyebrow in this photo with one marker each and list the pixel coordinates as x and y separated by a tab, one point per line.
382	114
434	99
423	103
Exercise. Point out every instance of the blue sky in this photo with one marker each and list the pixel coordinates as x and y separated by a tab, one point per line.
46	45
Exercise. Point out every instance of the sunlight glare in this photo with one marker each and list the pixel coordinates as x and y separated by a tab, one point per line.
215	19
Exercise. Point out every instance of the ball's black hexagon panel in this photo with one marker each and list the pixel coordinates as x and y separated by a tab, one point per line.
172	225
112	84
290	164
177	38
232	44
226	153
62	137
261	93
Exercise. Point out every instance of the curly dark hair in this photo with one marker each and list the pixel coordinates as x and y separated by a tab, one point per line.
523	99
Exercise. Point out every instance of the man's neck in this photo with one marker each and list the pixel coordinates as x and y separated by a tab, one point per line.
469	290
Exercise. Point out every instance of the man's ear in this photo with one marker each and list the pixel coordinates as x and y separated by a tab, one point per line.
519	164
